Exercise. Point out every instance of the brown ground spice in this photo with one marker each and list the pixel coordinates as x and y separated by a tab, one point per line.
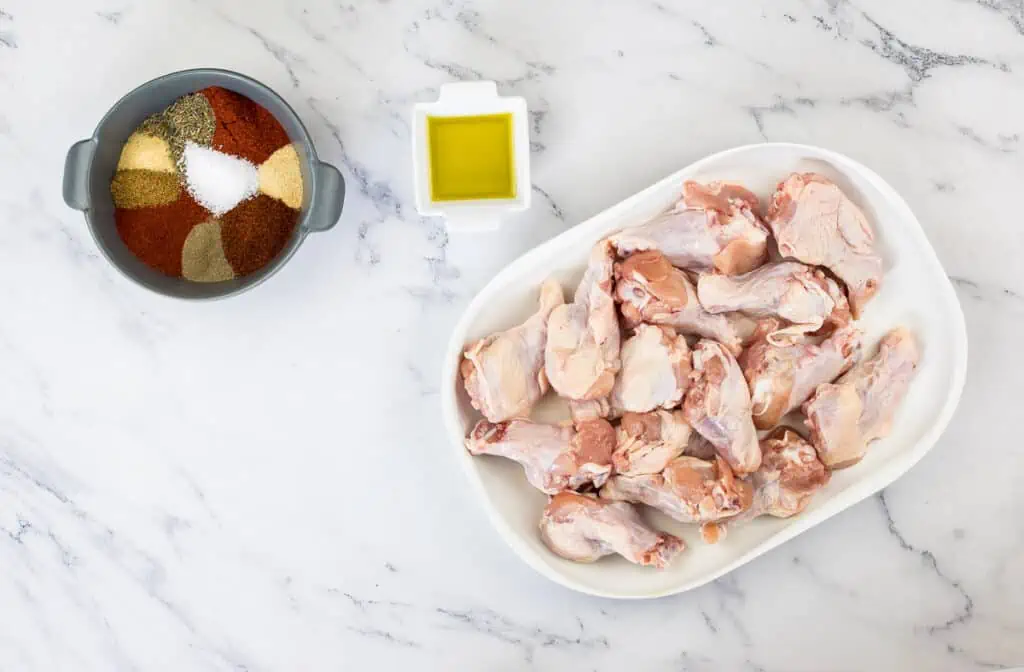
144	188
157	235
244	128
256	231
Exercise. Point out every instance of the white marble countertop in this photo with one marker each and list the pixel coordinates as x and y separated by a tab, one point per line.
263	483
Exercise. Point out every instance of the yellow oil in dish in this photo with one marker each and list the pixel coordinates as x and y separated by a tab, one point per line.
471	158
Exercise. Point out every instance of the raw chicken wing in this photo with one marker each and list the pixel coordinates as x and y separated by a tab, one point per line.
799	294
814	222
782	376
554	457
690	490
647	442
504	373
650	289
789	476
581	357
710	227
582	411
717	406
845	416
655	370
583	528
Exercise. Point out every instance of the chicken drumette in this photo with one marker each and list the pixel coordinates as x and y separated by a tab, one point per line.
654	373
814	222
789	476
802	296
710	227
504	373
846	416
689	490
647	442
781	376
581	357
583	528
554	457
650	289
718	407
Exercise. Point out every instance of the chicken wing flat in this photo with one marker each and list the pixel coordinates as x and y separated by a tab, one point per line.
504	373
816	223
802	296
846	416
712	227
650	289
581	356
782	376
647	442
583	528
689	490
717	406
655	371
554	457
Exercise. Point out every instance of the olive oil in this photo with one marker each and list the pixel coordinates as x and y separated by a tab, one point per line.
471	157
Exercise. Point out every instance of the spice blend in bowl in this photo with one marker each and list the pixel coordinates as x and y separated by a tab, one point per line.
209	189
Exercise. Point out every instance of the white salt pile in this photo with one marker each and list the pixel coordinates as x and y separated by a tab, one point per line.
218	181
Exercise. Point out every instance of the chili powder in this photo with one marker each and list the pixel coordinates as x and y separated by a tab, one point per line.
157	234
255	231
244	128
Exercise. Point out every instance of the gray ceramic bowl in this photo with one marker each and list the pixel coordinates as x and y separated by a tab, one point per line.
91	163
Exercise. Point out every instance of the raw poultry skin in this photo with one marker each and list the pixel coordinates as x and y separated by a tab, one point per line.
717	406
782	376
647	442
583	528
789	476
712	227
554	457
846	416
582	411
689	490
504	373
802	296
651	290
814	222
581	356
654	373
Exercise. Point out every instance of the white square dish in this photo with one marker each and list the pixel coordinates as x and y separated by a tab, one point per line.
915	292
460	99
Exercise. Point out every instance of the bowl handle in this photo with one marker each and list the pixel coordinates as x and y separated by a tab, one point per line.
330	197
76	173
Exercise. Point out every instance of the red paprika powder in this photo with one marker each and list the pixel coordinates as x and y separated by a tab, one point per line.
244	128
157	234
